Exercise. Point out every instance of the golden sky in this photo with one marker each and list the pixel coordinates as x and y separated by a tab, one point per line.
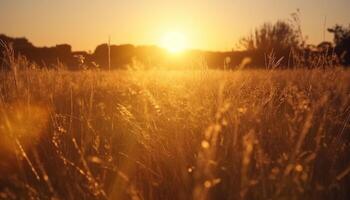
206	24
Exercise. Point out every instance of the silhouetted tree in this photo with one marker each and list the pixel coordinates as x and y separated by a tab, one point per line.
342	42
43	56
278	44
324	46
121	55
279	36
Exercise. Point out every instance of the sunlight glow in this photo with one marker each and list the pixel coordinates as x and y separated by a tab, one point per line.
174	42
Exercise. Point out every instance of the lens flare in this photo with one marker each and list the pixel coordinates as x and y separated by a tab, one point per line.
21	127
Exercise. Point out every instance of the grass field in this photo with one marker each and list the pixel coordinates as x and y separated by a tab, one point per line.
205	134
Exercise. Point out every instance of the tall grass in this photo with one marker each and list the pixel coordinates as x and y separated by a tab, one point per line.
206	134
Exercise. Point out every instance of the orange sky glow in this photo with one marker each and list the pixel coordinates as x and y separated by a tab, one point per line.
210	25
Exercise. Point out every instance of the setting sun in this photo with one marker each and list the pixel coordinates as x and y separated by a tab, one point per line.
174	42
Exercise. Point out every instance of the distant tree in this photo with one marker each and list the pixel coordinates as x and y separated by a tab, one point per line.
280	44
325	46
279	36
342	42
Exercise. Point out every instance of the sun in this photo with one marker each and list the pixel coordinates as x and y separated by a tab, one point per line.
174	42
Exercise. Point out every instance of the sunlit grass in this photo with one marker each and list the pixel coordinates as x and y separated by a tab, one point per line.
159	134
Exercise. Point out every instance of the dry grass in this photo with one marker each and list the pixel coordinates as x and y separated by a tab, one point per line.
175	134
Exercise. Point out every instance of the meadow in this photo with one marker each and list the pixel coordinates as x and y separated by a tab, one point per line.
174	134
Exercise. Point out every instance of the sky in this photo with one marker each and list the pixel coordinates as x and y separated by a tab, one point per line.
207	24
